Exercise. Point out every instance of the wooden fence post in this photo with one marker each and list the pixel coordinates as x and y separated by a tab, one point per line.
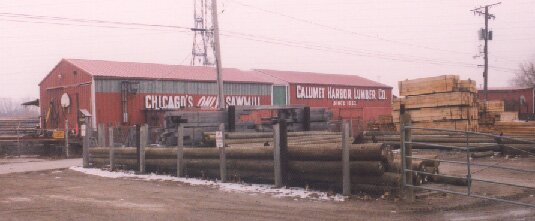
277	156
143	139
180	151
101	135
66	136
138	143
283	143
112	148
222	157
306	118
346	173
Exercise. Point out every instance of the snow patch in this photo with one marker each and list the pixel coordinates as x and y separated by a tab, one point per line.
292	192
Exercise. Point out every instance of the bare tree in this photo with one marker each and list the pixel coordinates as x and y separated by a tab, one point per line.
10	107
525	77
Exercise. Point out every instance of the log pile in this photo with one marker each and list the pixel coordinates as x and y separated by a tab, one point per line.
266	138
449	141
372	165
439	102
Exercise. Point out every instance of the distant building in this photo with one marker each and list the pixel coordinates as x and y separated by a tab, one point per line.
517	99
128	93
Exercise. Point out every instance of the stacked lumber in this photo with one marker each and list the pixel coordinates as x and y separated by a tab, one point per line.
18	126
439	102
495	110
247	119
383	123
496	106
514	129
508	116
313	165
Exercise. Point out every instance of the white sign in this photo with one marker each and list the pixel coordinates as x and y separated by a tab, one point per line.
219	139
65	100
82	130
335	93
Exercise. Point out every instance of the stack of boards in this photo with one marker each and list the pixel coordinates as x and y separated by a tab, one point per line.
496	110
514	129
439	102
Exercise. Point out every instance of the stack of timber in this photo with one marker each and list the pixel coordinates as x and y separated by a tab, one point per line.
383	123
513	129
494	110
431	140
439	102
245	118
313	165
18	126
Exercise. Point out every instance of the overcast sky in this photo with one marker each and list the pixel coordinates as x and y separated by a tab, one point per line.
386	41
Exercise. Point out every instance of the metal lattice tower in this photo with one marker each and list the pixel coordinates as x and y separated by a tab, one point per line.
203	39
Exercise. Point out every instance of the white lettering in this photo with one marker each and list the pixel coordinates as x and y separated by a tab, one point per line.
147	102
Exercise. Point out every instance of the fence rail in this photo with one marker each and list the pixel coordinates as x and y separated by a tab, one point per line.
406	151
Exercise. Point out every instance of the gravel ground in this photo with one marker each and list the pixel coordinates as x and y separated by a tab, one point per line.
64	194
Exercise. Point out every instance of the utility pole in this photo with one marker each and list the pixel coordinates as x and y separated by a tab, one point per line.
217	52
486	35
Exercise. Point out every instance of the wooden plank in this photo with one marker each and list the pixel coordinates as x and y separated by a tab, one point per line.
436	100
440	114
451	124
493	106
508	116
430	85
467	85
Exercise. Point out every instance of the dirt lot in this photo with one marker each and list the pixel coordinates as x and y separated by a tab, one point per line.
69	195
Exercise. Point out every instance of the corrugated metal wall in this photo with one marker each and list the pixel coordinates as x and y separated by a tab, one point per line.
184	87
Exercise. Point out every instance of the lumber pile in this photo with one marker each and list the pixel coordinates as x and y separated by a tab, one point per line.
439	102
383	123
18	126
513	129
495	112
246	119
313	165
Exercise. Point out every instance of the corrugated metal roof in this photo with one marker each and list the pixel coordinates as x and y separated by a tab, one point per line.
319	78
115	69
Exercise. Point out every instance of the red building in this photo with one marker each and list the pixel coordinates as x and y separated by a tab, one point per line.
348	96
130	93
518	99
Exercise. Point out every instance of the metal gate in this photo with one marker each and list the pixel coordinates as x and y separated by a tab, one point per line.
407	172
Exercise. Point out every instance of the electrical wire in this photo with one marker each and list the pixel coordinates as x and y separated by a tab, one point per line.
144	26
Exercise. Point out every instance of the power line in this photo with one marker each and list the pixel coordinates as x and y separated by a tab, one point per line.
6	14
256	38
345	30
